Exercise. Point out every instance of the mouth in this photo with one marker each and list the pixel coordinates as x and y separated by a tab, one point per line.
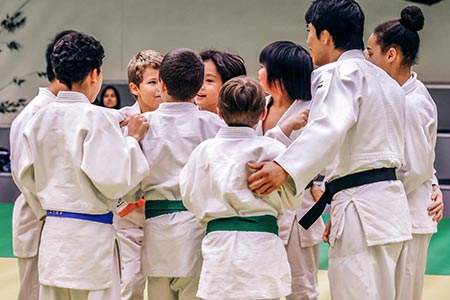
201	96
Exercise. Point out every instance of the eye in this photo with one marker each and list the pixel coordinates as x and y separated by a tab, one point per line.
209	80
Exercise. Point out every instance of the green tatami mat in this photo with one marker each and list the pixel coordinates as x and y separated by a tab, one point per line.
438	262
6	230
438	259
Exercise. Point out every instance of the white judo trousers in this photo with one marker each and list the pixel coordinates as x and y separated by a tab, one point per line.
26	228
417	175
130	235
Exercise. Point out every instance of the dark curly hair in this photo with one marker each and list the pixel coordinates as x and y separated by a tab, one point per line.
182	72
49	50
74	56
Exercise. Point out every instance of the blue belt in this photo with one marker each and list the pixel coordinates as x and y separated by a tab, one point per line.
105	218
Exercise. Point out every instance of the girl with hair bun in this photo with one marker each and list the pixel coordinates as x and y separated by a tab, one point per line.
393	46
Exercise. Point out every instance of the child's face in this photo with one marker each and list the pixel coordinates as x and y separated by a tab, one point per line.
147	92
262	77
208	95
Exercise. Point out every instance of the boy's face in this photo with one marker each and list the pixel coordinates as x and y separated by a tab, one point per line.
208	95
316	47
147	91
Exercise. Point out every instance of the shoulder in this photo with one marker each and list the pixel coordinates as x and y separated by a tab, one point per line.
271	144
210	118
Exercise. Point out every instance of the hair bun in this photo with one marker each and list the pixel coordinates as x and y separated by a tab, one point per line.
412	18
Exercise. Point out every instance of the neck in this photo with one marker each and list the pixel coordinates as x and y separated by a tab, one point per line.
84	89
281	99
334	55
401	74
55	87
145	108
210	108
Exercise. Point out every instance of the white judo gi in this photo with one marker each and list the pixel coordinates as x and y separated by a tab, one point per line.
417	175
171	252
237	264
26	228
76	160
356	123
302	246
130	232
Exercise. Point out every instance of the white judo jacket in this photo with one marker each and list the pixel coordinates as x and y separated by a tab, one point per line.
417	173
214	185
77	160
356	123
172	242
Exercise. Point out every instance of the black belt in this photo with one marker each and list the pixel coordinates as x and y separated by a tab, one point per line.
346	182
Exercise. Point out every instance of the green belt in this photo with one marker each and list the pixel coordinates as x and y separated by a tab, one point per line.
154	208
264	223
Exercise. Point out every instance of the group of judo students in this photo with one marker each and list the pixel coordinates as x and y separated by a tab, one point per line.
197	190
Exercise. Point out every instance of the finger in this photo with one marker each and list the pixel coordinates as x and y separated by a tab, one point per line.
255	166
438	217
255	182
264	189
433	206
253	178
434	196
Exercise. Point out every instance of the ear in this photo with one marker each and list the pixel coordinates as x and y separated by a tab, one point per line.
163	87
94	75
392	54
263	115
134	89
219	113
325	37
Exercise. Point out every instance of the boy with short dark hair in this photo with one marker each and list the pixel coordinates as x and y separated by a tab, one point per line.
350	98
243	257
67	172
171	257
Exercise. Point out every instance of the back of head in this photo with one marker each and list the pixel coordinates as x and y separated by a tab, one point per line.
241	101
343	19
182	72
228	65
402	34
290	65
144	59
74	56
48	53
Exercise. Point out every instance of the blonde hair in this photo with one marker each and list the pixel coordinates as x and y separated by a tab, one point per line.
144	59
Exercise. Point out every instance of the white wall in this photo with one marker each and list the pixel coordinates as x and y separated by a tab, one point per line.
241	26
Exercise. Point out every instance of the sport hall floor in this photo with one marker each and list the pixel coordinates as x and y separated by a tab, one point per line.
437	280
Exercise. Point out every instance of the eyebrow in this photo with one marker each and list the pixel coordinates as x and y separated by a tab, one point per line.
210	74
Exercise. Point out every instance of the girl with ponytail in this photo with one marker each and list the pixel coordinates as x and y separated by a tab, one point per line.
393	46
